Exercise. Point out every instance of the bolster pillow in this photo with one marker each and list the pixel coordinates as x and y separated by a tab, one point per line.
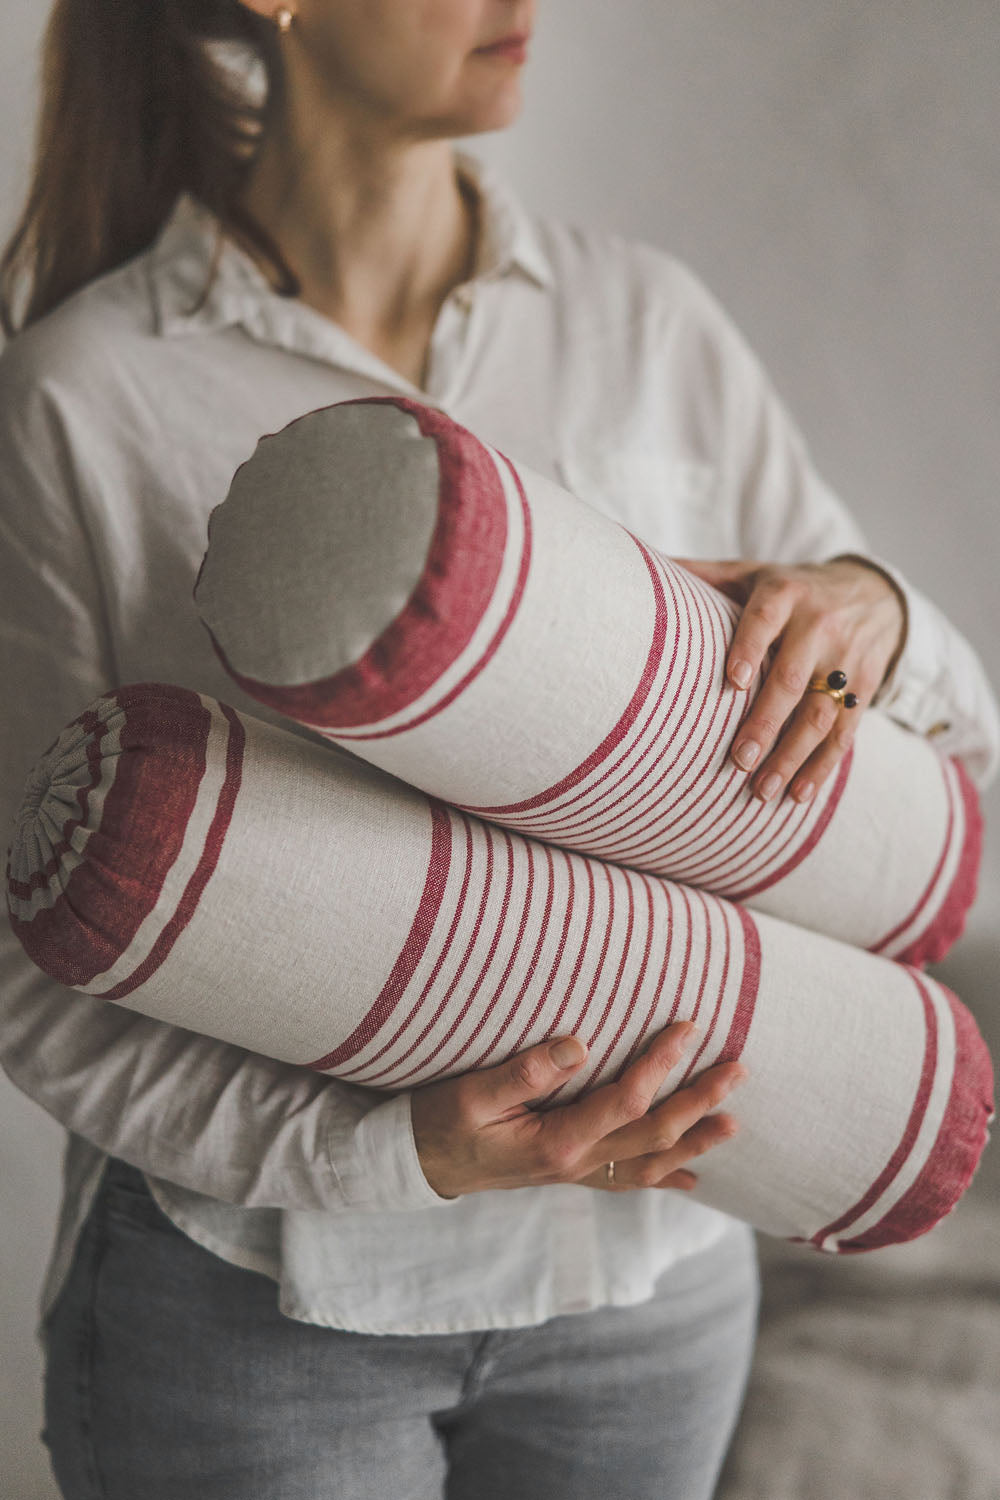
234	878
381	575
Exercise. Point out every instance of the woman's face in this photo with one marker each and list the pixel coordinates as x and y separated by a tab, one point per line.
422	68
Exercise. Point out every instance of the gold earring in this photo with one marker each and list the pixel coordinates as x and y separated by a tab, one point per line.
284	16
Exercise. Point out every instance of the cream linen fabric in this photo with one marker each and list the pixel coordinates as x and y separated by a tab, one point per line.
547	670
123	416
219	874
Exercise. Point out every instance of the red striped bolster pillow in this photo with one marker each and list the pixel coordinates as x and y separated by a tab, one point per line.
243	882
380	574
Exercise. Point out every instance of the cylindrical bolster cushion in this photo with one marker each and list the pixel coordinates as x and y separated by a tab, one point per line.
249	884
380	574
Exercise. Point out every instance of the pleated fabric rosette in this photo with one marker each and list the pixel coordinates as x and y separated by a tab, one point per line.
252	885
379	574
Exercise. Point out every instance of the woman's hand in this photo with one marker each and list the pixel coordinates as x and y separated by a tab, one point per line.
817	618
476	1133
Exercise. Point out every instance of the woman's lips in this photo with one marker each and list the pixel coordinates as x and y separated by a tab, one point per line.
511	48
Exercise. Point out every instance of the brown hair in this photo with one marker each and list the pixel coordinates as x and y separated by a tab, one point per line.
137	107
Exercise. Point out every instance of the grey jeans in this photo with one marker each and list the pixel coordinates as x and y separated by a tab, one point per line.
171	1375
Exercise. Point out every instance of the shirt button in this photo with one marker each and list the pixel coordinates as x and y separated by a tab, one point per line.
941	727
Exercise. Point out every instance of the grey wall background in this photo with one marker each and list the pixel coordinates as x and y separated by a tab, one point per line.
833	173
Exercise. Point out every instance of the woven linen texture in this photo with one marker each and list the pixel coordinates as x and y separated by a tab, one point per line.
551	673
244	882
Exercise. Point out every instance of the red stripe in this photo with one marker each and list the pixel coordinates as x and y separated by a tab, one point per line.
709	1030
491	650
895	1164
445	609
484	967
500	1036
505	976
661	980
808	845
205	868
955	1155
413	949
595	1033
756	844
732	1047
624	846
549	820
477	927
706	954
557	960
949	924
364	1068
582	951
584	1010
621	729
636	988
558	825
928	890
143	821
688	818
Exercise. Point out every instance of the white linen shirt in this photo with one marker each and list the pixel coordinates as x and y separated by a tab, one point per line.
123	415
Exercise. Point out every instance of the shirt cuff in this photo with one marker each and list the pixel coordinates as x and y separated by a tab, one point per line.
374	1159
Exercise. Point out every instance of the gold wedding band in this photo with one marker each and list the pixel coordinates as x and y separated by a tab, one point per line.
833	685
610	1170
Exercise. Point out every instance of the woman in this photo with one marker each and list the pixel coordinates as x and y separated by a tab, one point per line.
266	1282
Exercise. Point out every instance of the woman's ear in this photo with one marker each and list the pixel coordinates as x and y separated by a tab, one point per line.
267	8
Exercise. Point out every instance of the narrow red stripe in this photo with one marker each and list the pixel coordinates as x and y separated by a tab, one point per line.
416	1009
557	960
661	979
413	949
808	845
588	923
628	718
949	923
708	1032
595	1031
584	1010
913	1124
484	967
582	826
422	1062
636	988
928	890
500	1036
549	820
955	1155
505	976
732	1047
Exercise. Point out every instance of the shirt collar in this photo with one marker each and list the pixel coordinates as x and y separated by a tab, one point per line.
192	240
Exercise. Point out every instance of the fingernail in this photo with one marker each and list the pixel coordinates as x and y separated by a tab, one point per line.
745	755
568	1052
741	672
736	1080
804	793
769	786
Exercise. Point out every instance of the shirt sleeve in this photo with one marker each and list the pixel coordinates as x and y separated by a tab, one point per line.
786	513
201	1113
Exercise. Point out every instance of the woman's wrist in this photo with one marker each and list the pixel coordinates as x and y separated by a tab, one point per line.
900	594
